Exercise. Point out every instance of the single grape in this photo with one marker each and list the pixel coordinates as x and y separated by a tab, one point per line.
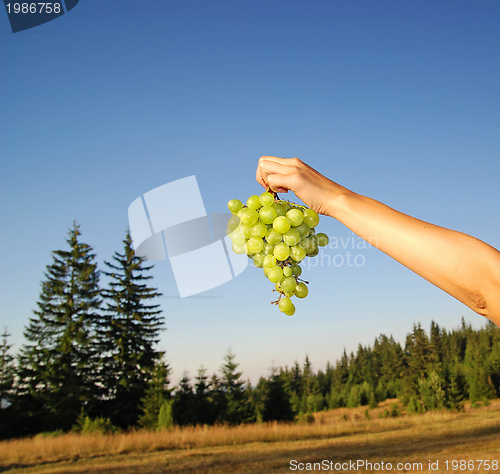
290	294
322	239
275	274
291	311
266	199
287	271
269	261
268	248
288	284
281	225
298	253
280	209
232	224
308	245
248	216
292	237
273	237
311	218
234	205
246	230
259	230
301	290
285	304
254	245
314	252
296	270
258	260
237	238
277	287
303	229
267	214
281	251
295	216
239	249
253	202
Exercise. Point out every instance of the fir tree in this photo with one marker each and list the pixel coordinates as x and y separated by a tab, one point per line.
6	371
157	394
58	366
238	409
130	328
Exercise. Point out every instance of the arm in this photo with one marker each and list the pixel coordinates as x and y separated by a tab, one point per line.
466	268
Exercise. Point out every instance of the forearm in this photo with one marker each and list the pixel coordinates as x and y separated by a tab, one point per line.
466	268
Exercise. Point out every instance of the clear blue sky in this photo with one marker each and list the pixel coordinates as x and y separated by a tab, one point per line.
396	100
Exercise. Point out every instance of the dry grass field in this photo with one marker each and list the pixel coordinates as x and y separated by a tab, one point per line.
337	436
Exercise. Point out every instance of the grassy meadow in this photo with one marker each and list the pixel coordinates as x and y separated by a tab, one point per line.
341	435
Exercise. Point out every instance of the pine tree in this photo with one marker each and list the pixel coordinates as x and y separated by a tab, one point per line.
58	366
130	328
201	397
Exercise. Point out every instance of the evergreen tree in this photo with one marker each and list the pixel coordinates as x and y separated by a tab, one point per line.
201	398
58	366
276	399
6	371
184	411
130	329
238	409
157	394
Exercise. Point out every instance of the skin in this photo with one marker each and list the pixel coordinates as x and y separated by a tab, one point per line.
462	266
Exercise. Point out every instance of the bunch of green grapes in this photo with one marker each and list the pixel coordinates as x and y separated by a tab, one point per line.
277	235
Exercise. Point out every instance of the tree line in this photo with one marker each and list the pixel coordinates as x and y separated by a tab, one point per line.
90	357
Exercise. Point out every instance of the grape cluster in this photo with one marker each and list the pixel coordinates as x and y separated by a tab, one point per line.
277	235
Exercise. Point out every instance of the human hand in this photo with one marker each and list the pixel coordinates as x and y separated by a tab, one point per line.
291	174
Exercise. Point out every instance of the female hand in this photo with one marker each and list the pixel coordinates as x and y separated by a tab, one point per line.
291	174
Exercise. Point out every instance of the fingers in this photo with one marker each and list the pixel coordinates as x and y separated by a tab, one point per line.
278	173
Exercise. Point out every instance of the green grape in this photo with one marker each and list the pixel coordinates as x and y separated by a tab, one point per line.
239	249
298	253
291	311
308	245
311	218
280	209
314	252
267	214
268	248
285	304
269	261
233	223
295	216
322	239
288	284
296	270
287	271
275	274
246	230
258	260
253	202
292	237
266	270
266	199
281	225
248	216
259	230
303	229
273	237
254	245
234	205
237	238
290	294
281	251
301	290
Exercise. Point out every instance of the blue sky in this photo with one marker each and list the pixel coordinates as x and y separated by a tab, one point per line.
395	100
